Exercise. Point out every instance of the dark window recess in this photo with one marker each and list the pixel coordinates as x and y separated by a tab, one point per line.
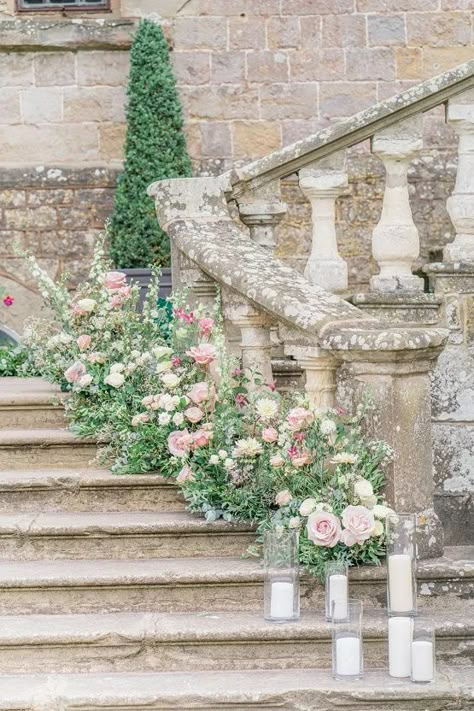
63	4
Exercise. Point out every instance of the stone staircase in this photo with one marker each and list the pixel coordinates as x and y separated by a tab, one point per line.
113	597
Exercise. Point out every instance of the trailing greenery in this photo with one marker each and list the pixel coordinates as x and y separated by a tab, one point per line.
14	361
155	149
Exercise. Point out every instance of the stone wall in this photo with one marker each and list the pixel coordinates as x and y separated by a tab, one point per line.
253	75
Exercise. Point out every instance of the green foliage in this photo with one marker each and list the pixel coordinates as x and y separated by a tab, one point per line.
14	361
155	149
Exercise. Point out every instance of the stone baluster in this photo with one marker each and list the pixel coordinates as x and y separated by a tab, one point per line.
460	204
262	210
395	240
202	290
322	183
318	366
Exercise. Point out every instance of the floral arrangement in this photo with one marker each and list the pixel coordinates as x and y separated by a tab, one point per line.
160	393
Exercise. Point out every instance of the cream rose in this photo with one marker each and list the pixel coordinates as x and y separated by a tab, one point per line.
359	521
307	507
115	380
283	498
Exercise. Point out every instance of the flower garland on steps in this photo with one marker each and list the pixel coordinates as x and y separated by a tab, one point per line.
160	393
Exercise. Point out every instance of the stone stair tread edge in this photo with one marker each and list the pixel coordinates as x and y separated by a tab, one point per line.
37	437
47	478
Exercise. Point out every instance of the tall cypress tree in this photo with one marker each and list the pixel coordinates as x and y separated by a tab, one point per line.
155	149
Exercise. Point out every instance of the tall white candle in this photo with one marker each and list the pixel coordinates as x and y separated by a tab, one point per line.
338	594
400	632
400	582
282	595
348	656
422	660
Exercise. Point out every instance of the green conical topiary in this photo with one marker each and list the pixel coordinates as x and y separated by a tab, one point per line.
155	148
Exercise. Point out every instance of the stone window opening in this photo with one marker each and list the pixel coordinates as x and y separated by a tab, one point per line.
60	5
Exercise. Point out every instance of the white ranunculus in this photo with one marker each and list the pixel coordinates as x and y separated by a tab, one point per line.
116	380
307	507
117	368
294	522
363	489
87	305
369	501
170	380
178	419
381	511
85	381
222	454
378	528
214	459
229	464
164	418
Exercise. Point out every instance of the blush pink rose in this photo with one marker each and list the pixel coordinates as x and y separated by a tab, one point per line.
180	442
199	393
269	434
324	529
203	354
300	459
194	414
348	538
115	280
74	372
83	342
186	474
277	460
299	418
359	521
283	498
201	438
205	326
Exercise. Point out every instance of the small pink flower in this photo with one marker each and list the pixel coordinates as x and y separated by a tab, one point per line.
299	418
186	474
277	460
201	438
283	498
203	354
324	529
240	400
139	419
184	316
269	434
272	386
74	372
359	521
340	411
298	436
180	442
78	311
97	357
236	372
115	280
205	326
83	342
8	300
194	414
175	361
116	301
300	459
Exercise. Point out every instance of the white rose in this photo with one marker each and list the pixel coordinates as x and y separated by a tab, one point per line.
117	368
163	367
85	381
294	522
178	419
381	511
222	454
214	459
116	380
170	380
369	502
378	528
307	507
229	464
164	418
363	489
87	305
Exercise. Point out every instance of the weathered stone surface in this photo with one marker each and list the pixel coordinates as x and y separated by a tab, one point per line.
55	68
102	68
453	457
227	68
344	30
390	308
59	34
443	29
386	30
255	138
26	448
267	66
200	33
453	386
246	33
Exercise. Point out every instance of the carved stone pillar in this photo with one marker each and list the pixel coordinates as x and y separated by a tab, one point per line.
319	368
262	210
460	204
202	290
395	240
322	183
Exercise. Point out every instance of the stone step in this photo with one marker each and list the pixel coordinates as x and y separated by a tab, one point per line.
91	490
131	642
274	690
44	448
30	403
123	535
202	584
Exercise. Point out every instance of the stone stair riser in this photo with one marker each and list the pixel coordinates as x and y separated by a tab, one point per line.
96	546
47	457
32	417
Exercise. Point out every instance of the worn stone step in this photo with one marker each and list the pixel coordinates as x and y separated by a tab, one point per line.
34	490
30	403
291	690
122	535
202	584
127	642
44	448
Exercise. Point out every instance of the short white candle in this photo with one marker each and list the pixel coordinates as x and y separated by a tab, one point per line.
348	656
400	582
400	632
338	593
422	660
282	602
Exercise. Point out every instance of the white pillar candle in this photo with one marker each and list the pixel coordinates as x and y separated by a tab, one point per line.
422	660
338	594
400	632
282	600
348	656
400	582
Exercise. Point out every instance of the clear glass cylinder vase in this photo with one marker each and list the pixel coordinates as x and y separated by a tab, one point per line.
282	588
423	652
337	590
401	564
347	643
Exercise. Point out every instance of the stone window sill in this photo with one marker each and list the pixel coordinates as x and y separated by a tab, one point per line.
42	34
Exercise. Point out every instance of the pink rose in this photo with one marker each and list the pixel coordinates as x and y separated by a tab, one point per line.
269	434
97	357
348	538
299	418
186	474
76	371
205	326
301	458
139	419
203	354
277	460
324	529
201	438
199	393
194	414
115	280
359	521
180	442
283	498
83	342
